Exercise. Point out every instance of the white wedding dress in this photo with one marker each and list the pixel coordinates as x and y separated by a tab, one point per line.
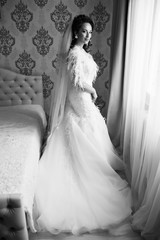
78	189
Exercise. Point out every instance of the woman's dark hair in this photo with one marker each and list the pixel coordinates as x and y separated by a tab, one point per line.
78	21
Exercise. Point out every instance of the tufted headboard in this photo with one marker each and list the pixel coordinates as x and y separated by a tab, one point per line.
18	89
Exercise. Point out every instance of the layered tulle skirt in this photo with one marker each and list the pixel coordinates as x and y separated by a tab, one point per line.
78	189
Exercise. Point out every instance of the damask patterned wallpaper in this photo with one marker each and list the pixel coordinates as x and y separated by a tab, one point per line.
30	31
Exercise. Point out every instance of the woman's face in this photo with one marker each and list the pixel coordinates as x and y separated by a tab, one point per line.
84	35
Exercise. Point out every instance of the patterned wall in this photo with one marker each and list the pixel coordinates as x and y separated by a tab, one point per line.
30	31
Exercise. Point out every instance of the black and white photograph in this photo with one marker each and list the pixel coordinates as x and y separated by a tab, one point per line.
79	119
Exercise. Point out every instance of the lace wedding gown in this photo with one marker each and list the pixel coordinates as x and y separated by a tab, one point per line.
78	189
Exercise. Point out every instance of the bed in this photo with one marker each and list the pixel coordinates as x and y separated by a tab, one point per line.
22	127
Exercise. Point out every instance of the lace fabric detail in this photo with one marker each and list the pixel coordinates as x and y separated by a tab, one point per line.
75	67
81	67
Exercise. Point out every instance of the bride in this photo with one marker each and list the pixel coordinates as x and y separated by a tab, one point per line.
78	189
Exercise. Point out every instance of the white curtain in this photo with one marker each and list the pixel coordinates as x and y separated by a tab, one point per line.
140	129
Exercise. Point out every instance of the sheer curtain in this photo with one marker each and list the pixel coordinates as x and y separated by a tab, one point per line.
140	126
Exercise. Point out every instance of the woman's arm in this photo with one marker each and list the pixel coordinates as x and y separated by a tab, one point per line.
76	74
90	89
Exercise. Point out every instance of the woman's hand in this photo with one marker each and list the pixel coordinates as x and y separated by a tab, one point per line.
87	88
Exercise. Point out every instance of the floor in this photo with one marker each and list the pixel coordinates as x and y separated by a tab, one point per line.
98	236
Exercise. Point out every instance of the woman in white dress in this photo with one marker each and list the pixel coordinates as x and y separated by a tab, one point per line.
78	189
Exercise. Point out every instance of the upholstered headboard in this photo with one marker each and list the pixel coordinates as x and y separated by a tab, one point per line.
18	89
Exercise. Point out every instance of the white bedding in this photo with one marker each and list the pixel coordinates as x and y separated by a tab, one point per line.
21	131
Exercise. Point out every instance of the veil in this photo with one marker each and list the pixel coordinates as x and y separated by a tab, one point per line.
61	84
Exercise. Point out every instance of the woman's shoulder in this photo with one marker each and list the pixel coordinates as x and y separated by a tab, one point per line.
75	53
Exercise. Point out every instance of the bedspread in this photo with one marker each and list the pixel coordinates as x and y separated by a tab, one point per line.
21	131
